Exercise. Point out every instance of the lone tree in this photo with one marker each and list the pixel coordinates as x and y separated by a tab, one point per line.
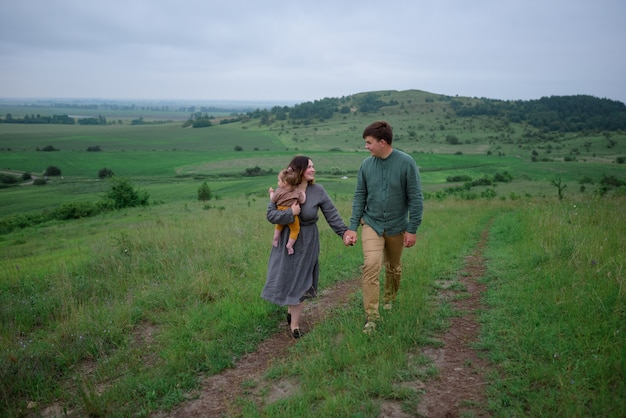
560	186
204	193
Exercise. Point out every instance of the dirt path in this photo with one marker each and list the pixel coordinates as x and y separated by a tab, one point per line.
456	391
218	394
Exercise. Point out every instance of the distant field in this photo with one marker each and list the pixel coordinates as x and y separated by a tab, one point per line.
124	111
170	161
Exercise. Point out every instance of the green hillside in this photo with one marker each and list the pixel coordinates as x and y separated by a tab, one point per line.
450	137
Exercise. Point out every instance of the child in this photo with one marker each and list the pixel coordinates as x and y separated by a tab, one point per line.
285	196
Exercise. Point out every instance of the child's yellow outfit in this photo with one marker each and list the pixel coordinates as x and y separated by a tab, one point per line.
284	199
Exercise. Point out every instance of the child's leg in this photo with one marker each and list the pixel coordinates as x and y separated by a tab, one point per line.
294	231
277	231
289	246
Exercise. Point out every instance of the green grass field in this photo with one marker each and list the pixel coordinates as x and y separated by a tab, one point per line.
122	313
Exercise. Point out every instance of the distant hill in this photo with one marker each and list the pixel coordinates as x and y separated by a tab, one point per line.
549	114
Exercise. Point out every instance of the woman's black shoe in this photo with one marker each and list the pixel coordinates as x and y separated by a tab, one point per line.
288	318
296	333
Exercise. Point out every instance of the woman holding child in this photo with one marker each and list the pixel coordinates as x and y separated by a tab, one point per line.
293	278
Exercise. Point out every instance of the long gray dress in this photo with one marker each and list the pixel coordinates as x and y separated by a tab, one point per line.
293	278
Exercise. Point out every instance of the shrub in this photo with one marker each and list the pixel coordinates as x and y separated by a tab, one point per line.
39	181
26	176
123	195
8	179
105	173
454	179
612	181
47	148
452	140
483	181
52	171
20	220
75	210
255	171
502	177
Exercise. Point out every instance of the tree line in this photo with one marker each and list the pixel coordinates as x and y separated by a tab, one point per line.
54	119
552	114
321	110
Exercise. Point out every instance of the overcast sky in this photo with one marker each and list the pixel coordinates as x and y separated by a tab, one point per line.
291	50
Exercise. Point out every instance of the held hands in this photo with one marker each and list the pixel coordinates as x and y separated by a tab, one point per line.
349	238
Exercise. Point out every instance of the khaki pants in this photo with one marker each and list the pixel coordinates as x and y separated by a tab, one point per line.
377	249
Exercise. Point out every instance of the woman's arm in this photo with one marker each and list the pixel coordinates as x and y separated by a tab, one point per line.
279	217
331	214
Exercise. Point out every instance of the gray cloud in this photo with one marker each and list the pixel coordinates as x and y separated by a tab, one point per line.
297	50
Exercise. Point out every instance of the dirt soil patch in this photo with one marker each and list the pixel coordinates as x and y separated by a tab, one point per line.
457	390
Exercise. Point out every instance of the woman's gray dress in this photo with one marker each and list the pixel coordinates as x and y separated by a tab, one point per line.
293	278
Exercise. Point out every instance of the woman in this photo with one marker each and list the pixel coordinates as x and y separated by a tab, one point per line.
293	278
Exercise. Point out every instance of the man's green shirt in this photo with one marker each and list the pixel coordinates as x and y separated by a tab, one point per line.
388	195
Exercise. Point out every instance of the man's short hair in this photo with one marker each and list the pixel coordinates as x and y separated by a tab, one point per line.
379	130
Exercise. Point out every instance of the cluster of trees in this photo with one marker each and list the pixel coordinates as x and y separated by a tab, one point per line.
199	120
318	109
100	120
371	103
555	113
321	110
54	119
32	119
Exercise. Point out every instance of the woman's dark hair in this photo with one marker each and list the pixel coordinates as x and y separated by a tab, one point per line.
379	130
299	164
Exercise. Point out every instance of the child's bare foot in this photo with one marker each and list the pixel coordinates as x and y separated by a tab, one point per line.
275	242
289	250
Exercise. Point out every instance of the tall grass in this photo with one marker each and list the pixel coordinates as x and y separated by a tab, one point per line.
557	298
126	317
121	315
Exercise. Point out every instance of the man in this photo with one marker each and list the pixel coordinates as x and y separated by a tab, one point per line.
388	203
